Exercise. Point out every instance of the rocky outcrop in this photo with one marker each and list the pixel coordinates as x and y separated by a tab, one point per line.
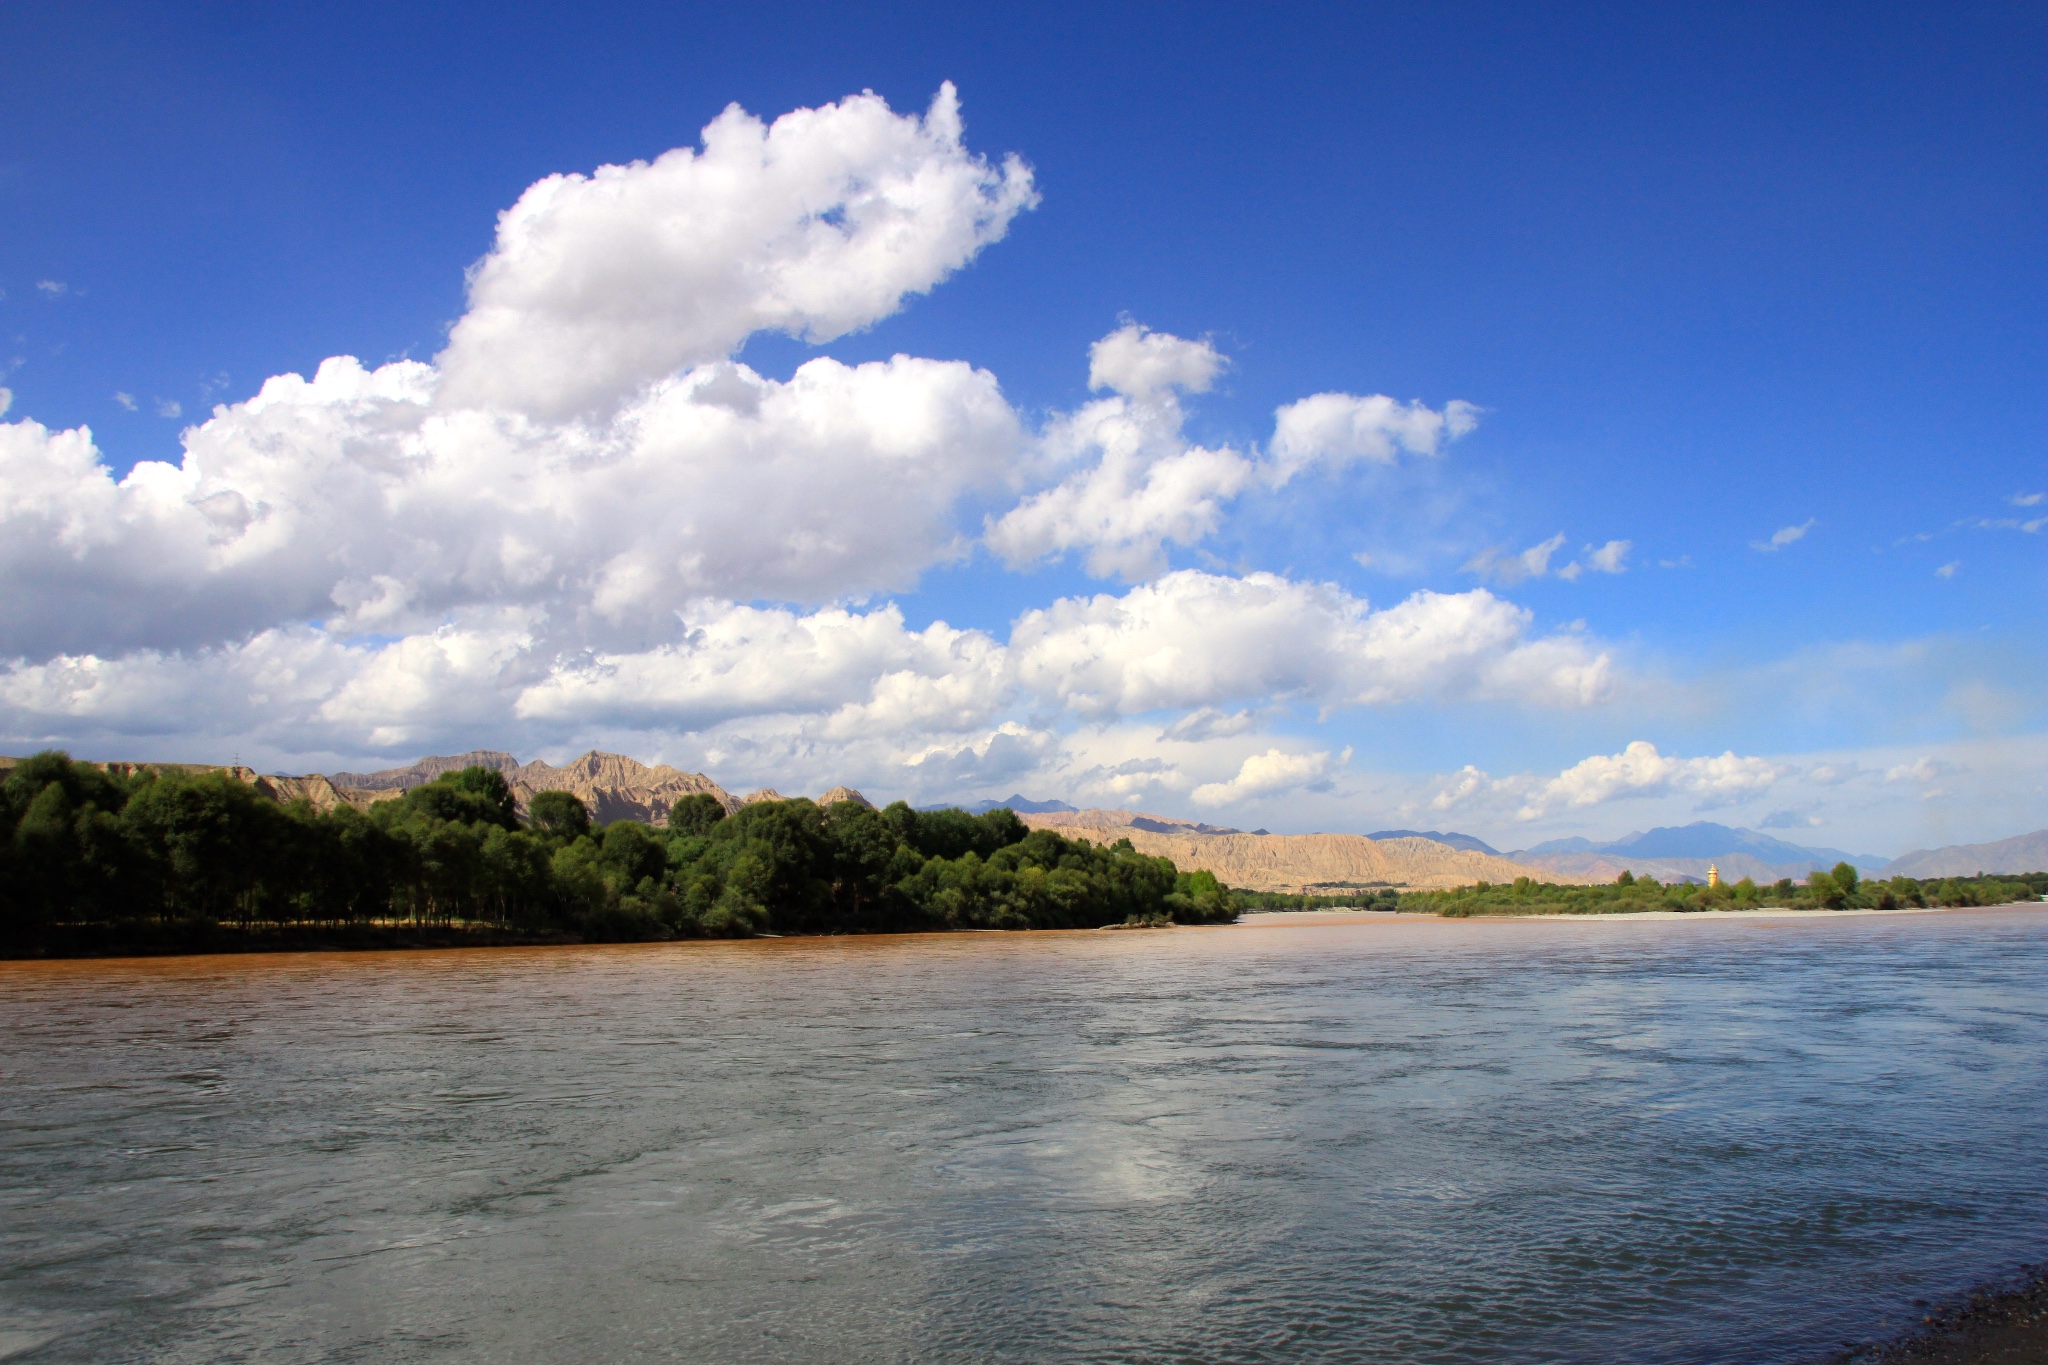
1289	862
317	790
838	794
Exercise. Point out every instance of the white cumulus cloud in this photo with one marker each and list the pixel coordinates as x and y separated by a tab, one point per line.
1140	363
1136	484
1338	428
1194	639
1266	774
1639	770
816	225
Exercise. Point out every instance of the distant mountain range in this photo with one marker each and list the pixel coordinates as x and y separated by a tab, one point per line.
1021	804
2023	853
1688	853
1705	839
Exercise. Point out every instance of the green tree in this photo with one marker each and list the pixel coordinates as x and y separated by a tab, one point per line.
1826	891
559	815
695	814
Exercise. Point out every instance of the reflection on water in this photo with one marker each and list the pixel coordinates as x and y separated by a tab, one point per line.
1401	1140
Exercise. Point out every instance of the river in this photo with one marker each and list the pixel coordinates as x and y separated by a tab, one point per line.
1391	1140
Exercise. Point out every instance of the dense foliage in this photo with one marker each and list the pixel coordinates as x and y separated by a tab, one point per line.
81	846
1365	898
1839	889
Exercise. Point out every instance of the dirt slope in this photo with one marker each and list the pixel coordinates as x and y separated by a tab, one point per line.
2025	853
1289	862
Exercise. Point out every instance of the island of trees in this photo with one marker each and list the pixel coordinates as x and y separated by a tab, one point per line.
91	859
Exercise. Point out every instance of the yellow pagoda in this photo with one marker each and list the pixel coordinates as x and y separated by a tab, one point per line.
1713	875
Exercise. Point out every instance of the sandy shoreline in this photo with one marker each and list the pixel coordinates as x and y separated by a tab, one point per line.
1256	918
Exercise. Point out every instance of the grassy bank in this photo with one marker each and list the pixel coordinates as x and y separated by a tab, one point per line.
1841	889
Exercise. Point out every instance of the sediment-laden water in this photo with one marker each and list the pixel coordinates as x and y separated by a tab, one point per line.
1399	1140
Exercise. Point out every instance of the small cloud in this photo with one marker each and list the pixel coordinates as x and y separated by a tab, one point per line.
1788	819
169	407
1510	569
1682	562
55	289
2025	499
1608	558
1923	769
1948	570
1208	723
1364	559
126	400
1783	536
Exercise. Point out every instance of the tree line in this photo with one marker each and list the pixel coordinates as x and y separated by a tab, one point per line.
83	847
1840	888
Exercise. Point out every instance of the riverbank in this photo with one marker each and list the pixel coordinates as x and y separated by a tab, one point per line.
186	939
2002	1326
1343	916
197	939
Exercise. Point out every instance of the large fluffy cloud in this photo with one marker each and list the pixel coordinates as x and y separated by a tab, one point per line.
816	225
349	498
1638	771
1194	639
835	676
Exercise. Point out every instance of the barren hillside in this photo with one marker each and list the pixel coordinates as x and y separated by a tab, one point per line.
1289	862
2023	853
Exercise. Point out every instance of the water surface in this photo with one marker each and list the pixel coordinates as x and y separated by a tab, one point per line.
1401	1140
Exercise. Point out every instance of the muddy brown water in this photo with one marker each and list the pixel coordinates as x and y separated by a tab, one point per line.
1379	1140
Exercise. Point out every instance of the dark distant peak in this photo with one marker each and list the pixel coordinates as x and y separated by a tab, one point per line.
1262	831
1146	822
1454	840
427	769
1575	844
1705	839
1021	804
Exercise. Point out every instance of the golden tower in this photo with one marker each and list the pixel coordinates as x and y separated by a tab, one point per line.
1713	875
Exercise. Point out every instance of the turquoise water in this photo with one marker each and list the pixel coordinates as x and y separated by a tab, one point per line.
1397	1140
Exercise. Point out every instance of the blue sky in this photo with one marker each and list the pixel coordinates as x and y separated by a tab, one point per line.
1707	274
